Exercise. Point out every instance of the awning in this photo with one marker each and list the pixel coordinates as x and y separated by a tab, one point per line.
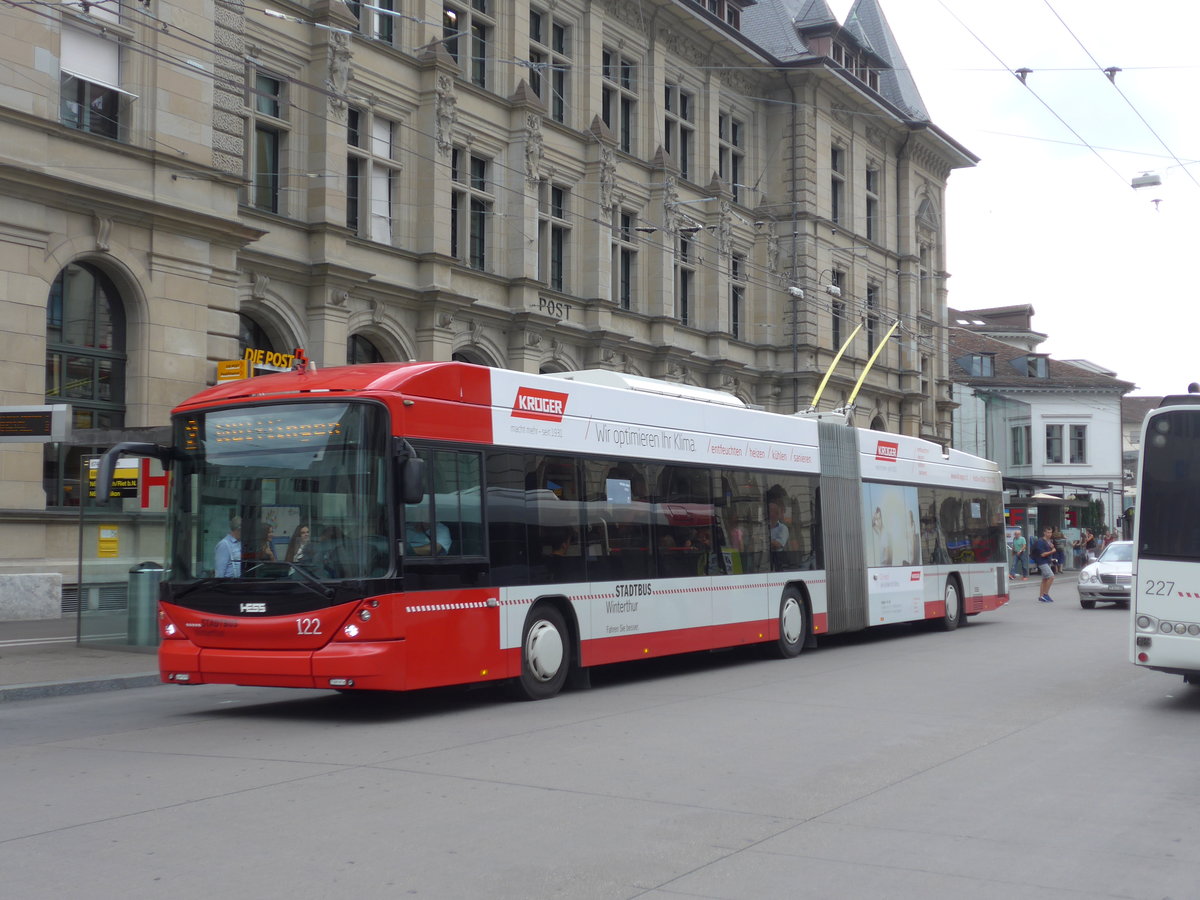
103	84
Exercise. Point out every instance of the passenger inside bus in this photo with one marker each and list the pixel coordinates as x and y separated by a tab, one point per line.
421	539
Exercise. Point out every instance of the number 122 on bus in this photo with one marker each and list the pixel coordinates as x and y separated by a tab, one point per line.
405	526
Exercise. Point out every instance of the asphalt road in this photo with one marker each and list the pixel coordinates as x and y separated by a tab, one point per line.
1021	756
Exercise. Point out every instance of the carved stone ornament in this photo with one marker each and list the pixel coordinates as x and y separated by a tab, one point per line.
685	47
258	290
735	79
628	13
339	73
773	253
339	297
445	114
103	233
725	229
445	319
533	339
608	180
670	205
535	150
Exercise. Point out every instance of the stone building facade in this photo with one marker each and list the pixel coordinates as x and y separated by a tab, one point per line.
711	192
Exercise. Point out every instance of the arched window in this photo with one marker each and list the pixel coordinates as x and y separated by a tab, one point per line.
360	350
468	356
85	367
253	335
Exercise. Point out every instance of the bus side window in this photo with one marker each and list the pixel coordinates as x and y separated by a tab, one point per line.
616	496
743	521
792	522
684	523
454	513
508	545
552	500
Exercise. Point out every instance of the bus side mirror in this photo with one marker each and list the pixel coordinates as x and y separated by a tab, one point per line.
108	462
412	480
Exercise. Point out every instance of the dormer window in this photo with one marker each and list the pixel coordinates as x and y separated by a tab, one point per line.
726	11
1032	366
978	365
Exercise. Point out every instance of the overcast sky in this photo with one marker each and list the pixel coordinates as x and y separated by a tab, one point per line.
1048	217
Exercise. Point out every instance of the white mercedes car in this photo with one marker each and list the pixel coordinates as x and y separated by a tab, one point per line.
1108	579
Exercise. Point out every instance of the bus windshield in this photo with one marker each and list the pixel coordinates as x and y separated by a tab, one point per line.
1170	487
281	490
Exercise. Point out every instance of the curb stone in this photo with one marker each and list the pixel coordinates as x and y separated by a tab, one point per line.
14	692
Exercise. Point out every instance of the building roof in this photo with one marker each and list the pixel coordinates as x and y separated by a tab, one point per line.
869	26
994	318
1134	409
771	25
1060	374
776	26
814	13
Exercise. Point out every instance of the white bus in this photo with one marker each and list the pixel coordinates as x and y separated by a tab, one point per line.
1165	620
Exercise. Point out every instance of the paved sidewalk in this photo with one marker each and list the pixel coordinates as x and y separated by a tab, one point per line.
41	659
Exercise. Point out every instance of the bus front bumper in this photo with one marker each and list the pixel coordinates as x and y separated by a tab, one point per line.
378	666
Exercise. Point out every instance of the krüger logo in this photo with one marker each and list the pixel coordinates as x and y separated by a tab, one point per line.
887	451
548	406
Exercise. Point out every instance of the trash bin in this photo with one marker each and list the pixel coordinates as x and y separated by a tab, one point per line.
144	579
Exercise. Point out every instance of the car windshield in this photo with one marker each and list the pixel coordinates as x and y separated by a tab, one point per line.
1120	552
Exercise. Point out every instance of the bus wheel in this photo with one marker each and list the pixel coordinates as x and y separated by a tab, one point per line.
545	653
952	617
793	625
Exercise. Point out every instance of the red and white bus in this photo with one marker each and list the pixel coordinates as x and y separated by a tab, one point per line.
468	524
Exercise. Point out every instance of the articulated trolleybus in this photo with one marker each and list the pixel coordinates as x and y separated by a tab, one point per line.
403	526
1165	617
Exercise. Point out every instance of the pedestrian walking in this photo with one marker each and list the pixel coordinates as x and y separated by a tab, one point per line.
1019	561
1044	556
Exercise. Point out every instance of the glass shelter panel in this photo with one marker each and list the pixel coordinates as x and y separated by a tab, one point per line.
121	547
